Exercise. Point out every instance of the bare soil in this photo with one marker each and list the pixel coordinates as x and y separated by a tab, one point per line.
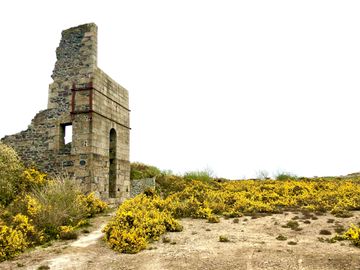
252	245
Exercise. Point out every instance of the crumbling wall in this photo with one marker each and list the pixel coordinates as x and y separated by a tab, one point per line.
85	97
140	185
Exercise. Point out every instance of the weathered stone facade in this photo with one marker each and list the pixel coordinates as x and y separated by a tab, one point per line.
138	186
84	97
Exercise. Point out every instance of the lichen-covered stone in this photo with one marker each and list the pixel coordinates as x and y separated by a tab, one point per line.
83	96
140	185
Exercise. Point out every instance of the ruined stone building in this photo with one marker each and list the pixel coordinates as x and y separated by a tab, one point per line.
82	98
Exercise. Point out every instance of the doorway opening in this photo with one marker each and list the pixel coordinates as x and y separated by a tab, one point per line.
112	164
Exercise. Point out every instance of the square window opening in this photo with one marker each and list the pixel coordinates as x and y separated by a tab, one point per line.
65	137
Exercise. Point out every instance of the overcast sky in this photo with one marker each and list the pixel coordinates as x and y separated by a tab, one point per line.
234	86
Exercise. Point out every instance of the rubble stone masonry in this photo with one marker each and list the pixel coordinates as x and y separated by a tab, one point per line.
84	97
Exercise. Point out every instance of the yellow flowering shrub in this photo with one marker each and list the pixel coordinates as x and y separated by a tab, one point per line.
12	242
93	205
33	206
146	217
81	223
32	178
352	234
137	221
17	237
67	233
66	229
22	223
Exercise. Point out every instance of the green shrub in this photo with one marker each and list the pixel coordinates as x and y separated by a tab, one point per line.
281	237
325	232
57	204
166	239
339	228
169	184
213	219
292	225
10	173
224	238
140	171
204	176
285	176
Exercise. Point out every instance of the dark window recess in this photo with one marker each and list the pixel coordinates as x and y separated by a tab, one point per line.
82	162
112	164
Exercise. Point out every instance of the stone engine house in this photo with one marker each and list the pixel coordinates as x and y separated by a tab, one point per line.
81	98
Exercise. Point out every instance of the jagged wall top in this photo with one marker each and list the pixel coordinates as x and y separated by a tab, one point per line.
77	53
76	63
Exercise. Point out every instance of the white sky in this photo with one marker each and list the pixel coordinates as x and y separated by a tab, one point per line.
235	86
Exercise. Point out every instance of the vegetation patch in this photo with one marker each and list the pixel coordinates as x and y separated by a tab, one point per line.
213	219
325	232
294	225
339	229
166	239
352	234
139	221
281	237
35	209
199	195
236	220
224	238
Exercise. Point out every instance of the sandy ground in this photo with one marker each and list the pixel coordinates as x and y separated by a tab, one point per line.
252	245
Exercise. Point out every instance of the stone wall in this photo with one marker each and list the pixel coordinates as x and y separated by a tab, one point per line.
83	96
140	185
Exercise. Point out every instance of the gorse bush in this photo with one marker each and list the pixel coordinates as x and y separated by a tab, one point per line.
67	233
32	179
93	205
137	222
17	237
12	242
352	234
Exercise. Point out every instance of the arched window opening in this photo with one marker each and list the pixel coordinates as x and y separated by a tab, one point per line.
112	164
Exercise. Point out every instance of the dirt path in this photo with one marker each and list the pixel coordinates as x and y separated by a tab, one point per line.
252	246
